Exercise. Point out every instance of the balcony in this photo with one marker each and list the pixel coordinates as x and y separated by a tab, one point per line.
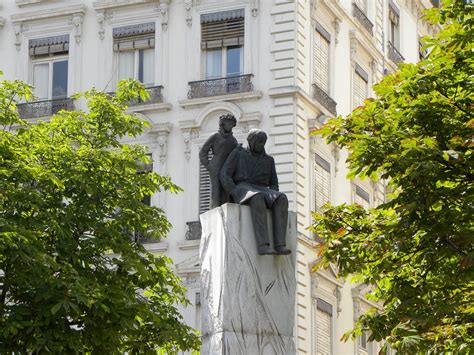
362	18
220	86
45	108
156	97
394	55
324	99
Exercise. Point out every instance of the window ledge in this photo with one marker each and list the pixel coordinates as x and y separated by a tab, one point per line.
21	3
189	244
240	96
160	107
156	247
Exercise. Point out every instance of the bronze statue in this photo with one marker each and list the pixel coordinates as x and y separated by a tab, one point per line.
249	176
220	144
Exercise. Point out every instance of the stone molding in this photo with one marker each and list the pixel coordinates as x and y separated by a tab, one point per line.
241	96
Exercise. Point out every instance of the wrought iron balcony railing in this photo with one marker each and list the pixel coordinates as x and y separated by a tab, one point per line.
156	96
393	54
45	108
362	18
220	86
324	99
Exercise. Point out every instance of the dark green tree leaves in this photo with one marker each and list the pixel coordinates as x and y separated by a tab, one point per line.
417	249
72	280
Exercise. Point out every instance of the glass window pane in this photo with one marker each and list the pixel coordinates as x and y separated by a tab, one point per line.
214	63
146	66
234	61
126	65
41	80
60	79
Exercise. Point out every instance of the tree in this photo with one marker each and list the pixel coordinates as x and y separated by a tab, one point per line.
417	249
71	278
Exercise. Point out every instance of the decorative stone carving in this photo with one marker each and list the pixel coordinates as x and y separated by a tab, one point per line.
188	4
164	7
353	41
77	23
337	27
17	29
2	22
188	135
254	7
101	20
162	131
248	300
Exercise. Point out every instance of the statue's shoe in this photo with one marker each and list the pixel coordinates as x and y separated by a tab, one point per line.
281	250
266	250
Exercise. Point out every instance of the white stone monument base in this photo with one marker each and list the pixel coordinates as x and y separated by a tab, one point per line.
247	300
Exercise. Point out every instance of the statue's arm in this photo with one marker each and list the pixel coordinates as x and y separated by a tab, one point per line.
274	177
204	152
228	169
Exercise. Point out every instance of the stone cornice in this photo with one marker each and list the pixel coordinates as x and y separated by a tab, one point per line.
49	13
103	5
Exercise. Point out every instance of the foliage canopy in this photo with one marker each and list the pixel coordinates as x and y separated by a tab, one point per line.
417	249
71	278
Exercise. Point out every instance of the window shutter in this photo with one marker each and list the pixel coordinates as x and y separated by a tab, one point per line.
49	45
204	188
361	197
322	181
361	79
222	29
141	36
321	45
323	327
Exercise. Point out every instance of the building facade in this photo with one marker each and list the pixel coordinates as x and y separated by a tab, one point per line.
284	66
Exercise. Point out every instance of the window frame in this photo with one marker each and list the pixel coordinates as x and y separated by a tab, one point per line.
355	193
136	64
223	74
358	76
50	59
332	323
316	32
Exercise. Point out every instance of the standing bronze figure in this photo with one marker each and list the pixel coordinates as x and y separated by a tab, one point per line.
220	144
249	176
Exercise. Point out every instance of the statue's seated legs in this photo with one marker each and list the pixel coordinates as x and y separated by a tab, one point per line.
258	209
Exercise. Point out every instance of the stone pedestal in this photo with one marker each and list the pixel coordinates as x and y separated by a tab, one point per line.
248	300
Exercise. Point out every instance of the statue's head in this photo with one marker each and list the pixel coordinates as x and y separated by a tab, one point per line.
227	122
257	139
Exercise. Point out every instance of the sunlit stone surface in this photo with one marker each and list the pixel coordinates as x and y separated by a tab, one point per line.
248	300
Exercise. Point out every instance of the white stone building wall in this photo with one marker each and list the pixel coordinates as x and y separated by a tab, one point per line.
278	52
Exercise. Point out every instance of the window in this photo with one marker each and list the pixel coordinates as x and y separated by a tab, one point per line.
365	347
50	66
361	86
139	236
322	182
222	40
204	188
197	310
135	47
361	197
321	48
323	327
394	20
